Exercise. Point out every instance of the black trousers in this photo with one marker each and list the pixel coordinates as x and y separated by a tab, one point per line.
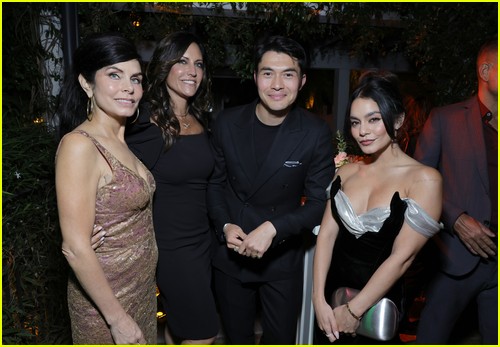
447	298
278	303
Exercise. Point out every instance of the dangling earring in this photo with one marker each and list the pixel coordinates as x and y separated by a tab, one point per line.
397	126
394	140
90	108
136	117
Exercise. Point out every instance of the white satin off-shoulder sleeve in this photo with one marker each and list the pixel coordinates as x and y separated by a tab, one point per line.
419	220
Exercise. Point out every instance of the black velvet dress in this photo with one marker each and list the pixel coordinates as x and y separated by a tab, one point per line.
355	258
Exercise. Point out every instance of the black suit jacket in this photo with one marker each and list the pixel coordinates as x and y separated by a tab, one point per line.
453	142
299	163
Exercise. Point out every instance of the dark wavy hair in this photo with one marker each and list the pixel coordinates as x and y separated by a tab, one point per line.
383	88
96	52
169	52
281	44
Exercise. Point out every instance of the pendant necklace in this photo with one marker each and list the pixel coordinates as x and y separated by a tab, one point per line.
183	121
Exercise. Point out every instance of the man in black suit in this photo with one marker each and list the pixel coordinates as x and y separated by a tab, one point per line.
461	140
270	154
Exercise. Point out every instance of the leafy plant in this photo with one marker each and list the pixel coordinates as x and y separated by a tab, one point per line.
34	272
440	40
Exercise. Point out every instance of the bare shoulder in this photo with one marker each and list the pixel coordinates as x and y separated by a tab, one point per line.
347	170
425	188
424	173
424	179
75	146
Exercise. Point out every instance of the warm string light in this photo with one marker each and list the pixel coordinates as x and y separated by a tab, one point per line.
310	102
159	314
136	20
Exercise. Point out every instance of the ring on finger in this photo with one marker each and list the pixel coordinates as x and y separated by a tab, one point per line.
236	249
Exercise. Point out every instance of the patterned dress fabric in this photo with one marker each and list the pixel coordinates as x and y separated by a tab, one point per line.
128	256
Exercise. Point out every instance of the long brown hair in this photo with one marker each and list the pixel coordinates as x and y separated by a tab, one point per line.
169	52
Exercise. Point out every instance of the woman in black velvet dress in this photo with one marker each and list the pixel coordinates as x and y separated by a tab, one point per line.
171	138
380	213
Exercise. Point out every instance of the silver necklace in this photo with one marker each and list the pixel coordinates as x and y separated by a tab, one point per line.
183	121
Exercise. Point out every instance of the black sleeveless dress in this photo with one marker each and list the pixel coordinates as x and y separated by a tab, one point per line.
181	226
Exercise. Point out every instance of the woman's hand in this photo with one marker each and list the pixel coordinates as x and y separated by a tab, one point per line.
125	331
346	323
326	320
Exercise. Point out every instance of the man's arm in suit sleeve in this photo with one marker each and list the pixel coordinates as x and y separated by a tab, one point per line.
428	147
428	151
217	208
319	174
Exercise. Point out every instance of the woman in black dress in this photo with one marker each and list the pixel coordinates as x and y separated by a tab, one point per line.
171	138
380	213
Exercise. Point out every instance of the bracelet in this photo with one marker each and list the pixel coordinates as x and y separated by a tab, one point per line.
352	314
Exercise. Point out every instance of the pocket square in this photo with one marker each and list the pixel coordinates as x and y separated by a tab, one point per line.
292	163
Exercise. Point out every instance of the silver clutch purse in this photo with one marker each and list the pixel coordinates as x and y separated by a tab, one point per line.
380	322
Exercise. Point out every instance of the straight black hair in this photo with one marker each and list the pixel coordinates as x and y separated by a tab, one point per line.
96	52
280	44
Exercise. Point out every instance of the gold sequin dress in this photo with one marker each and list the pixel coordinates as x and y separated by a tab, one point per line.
128	256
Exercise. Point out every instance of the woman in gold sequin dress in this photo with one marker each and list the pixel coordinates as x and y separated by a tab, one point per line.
111	291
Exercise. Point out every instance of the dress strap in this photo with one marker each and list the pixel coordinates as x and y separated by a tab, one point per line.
110	158
420	221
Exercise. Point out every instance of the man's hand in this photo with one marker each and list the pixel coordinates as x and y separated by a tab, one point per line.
234	236
475	236
258	241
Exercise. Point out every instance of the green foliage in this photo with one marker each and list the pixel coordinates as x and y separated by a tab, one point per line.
34	272
440	40
24	86
120	17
